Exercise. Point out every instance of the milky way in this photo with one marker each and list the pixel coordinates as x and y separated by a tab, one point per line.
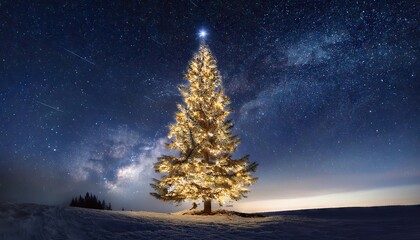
325	94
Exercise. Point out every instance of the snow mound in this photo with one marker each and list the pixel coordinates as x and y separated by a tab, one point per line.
31	221
220	212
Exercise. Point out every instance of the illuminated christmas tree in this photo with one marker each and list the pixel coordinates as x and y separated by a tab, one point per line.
204	169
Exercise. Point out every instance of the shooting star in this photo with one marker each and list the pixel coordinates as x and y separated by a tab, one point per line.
193	3
49	106
150	99
263	28
75	54
156	41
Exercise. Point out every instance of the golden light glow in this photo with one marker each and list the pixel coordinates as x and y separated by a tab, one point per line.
202	135
401	195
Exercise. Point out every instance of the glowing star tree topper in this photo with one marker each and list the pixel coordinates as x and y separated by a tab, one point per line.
202	34
204	169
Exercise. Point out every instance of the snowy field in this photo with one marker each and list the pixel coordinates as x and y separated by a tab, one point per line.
30	221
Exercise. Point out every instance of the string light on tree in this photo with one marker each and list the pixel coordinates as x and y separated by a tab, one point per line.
204	169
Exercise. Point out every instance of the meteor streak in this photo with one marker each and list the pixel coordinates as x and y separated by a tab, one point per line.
49	106
150	99
75	54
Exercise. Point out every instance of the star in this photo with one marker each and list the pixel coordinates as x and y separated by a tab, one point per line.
202	33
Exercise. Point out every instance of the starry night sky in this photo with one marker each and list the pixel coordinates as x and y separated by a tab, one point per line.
325	95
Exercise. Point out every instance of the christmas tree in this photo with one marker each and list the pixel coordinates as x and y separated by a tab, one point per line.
204	169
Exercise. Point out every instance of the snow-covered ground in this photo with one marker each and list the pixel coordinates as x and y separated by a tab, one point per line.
31	221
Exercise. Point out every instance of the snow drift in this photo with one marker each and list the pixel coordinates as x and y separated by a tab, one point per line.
31	221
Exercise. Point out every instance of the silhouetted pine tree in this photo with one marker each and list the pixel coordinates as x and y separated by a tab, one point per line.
73	202
81	201
90	201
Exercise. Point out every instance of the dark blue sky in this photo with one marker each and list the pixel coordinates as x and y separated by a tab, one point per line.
325	95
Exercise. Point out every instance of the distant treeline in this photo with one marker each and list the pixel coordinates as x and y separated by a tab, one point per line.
90	201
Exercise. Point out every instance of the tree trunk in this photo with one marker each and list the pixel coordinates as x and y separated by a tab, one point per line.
207	206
